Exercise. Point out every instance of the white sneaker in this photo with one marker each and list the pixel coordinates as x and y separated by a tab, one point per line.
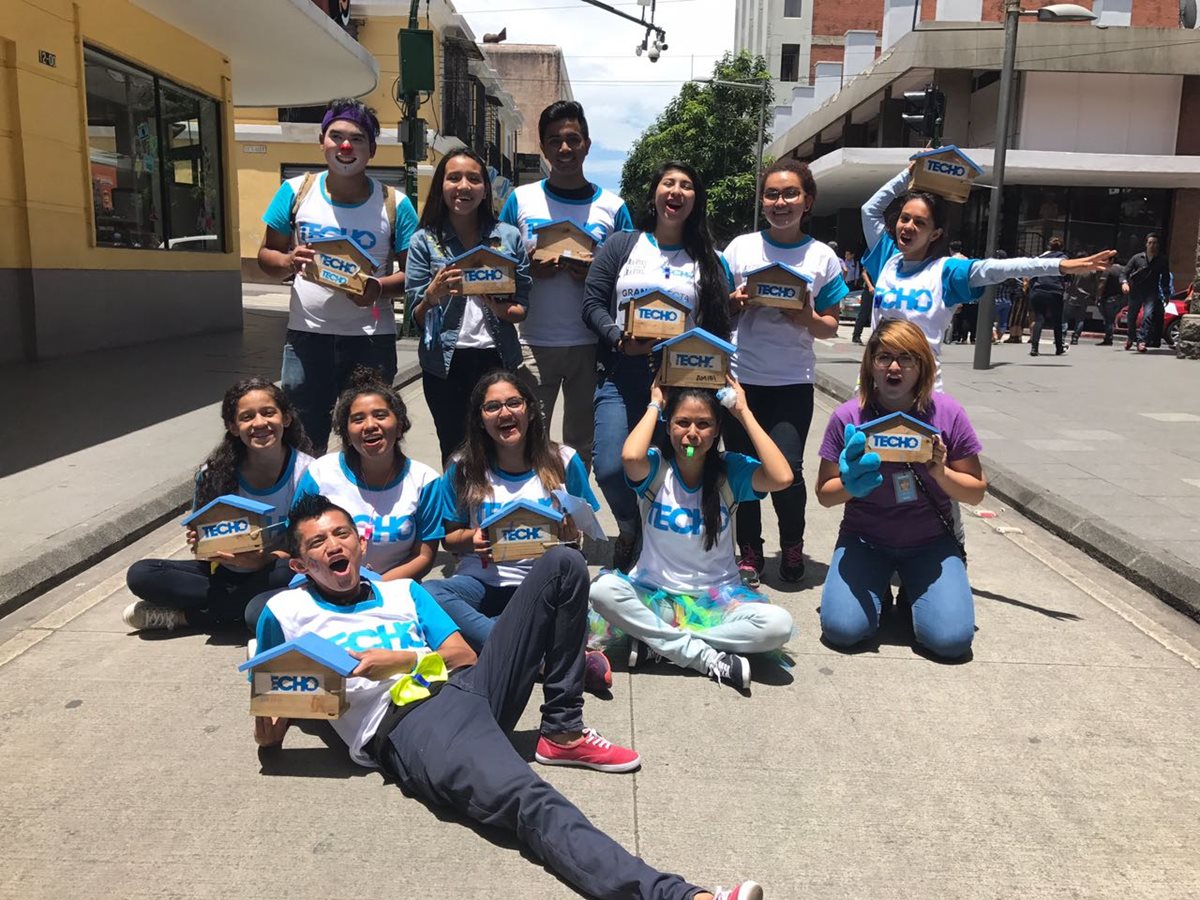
747	890
143	616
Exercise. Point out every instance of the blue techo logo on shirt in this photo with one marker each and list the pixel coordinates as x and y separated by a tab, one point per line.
917	301
386	529
680	520
310	231
393	636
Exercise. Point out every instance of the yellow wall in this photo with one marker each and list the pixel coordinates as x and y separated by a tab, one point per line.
45	182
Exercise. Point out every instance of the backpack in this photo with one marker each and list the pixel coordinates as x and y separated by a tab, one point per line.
389	205
1049	284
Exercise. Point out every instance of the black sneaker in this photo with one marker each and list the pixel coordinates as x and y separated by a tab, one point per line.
1059	351
624	553
640	654
1033	352
731	669
750	564
791	562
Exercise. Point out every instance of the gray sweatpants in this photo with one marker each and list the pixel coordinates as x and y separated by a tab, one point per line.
746	628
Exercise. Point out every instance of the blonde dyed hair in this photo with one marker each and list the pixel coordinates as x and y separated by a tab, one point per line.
898	336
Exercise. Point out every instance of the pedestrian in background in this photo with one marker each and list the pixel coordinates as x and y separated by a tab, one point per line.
1111	300
672	252
1146	281
1046	296
1005	293
558	350
865	303
462	337
1082	292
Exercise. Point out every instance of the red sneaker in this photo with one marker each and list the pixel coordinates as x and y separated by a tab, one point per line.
747	890
597	672
591	752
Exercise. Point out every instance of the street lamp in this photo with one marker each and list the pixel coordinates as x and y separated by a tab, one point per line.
762	86
1054	12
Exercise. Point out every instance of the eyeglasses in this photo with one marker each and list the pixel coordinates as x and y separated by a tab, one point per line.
574	141
885	360
515	404
789	194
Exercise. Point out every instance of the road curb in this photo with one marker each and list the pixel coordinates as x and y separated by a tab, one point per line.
1134	559
86	543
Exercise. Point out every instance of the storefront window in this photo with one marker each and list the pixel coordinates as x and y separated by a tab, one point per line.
154	153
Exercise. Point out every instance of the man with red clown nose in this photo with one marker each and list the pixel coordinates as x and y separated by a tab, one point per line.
332	331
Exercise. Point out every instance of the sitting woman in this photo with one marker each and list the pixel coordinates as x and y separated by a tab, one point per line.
684	599
507	456
898	517
261	457
395	500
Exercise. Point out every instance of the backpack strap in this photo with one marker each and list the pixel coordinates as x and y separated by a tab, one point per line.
389	208
646	497
305	186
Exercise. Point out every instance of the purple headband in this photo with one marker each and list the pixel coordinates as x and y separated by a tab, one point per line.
360	117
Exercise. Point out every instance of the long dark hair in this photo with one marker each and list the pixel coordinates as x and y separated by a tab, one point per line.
367	380
435	216
712	292
219	474
714	465
477	455
937	212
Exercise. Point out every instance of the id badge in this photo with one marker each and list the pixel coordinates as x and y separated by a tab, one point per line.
905	485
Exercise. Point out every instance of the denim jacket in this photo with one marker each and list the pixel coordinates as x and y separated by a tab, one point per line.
427	255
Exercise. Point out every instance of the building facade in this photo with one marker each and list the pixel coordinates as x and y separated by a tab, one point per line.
1104	141
118	200
536	75
470	106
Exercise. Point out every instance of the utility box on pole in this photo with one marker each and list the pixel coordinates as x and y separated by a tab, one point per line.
416	60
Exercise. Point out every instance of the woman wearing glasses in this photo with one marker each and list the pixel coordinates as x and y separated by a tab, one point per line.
507	456
775	359
897	517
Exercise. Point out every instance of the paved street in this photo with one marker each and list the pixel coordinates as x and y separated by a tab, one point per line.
1059	763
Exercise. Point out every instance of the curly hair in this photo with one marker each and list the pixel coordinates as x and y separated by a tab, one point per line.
218	475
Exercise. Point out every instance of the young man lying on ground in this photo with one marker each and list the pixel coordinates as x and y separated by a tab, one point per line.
451	748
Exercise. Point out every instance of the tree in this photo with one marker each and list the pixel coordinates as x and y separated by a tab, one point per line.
715	128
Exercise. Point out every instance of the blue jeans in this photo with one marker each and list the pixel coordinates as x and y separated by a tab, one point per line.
317	367
943	609
619	404
1003	311
473	605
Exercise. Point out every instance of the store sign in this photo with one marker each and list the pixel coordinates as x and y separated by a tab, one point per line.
254	148
46	58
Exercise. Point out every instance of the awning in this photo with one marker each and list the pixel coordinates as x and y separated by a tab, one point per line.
847	177
282	52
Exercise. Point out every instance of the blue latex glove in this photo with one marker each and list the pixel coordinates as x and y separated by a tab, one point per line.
859	470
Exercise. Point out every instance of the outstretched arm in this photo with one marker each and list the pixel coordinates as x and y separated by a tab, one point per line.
995	271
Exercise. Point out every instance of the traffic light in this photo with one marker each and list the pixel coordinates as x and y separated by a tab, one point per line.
925	112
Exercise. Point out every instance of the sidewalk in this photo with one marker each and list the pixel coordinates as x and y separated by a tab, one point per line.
1101	446
95	450
1059	763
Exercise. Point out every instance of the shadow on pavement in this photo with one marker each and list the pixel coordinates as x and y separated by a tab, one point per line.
331	761
1058	614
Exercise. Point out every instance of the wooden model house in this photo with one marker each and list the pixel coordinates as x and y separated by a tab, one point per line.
301	679
655	314
486	271
522	530
562	239
229	524
898	437
945	171
695	359
341	263
778	285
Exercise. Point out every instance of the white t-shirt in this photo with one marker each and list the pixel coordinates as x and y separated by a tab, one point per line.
924	293
507	487
671	269
673	555
315	307
392	519
472	331
555	316
773	350
397	615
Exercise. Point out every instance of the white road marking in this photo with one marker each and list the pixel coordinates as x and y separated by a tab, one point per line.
1171	417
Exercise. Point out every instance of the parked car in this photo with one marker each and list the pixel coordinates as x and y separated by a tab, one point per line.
1173	310
850	304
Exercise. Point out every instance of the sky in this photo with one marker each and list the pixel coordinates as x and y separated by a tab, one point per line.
621	93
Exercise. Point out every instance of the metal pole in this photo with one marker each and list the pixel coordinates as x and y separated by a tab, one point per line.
762	124
987	303
411	108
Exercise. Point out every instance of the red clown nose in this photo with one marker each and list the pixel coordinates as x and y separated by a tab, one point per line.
345	147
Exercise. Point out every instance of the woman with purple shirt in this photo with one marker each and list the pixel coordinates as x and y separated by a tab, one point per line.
897	517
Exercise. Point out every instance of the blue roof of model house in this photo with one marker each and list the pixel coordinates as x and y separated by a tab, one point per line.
705	336
318	649
949	148
807	279
250	506
896	418
548	512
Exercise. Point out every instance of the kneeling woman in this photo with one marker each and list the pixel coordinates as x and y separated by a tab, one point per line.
897	517
507	456
261	457
684	599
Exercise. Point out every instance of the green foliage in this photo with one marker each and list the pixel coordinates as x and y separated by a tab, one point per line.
715	128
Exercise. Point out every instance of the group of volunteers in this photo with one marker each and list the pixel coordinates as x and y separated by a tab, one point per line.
683	470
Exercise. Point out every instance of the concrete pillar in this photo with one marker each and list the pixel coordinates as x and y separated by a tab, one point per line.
898	18
1113	13
804	101
859	54
827	80
956	85
959	10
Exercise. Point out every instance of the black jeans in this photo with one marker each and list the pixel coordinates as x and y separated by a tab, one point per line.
1046	309
785	412
207	599
453	749
317	367
863	318
447	398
